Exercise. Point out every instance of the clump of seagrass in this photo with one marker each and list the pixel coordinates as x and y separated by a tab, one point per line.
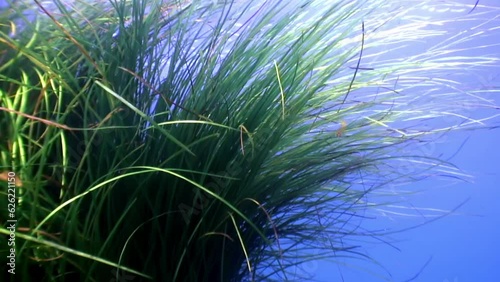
189	142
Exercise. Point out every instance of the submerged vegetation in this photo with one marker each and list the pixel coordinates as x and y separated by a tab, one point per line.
219	141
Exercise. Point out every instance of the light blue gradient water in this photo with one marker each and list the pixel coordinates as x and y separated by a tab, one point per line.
465	246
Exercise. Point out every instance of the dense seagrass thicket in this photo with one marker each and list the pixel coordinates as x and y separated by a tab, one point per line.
193	141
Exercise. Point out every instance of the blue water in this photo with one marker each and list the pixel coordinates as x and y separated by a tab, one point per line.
464	246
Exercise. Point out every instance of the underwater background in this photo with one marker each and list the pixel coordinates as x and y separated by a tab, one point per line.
457	248
461	247
442	227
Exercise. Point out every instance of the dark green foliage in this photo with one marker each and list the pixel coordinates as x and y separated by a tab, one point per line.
153	141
